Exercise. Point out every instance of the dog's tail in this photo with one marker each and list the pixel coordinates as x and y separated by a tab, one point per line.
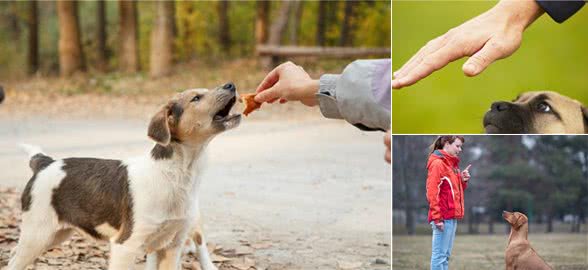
38	159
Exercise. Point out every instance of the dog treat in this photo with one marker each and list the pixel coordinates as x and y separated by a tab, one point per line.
250	103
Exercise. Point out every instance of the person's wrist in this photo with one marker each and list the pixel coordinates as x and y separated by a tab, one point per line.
309	90
518	13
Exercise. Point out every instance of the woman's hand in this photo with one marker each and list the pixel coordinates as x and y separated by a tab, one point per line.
439	225
288	82
465	174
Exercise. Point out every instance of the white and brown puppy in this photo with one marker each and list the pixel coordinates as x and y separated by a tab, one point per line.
147	204
519	253
537	112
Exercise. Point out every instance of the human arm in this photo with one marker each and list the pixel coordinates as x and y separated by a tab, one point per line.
433	189
493	35
360	95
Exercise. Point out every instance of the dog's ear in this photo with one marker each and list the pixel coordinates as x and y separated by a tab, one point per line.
585	114
159	129
520	221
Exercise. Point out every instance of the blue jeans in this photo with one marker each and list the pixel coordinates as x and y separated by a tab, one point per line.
442	244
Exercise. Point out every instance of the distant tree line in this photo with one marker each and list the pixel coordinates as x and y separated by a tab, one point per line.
545	177
133	36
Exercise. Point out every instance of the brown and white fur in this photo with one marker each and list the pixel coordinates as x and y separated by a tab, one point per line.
142	205
519	253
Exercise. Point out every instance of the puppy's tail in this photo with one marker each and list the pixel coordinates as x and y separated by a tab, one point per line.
38	159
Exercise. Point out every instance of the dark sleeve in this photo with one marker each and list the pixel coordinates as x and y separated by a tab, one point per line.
560	11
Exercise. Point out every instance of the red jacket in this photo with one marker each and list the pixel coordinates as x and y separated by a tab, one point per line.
444	187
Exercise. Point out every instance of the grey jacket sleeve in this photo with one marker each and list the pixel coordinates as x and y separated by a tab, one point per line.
360	95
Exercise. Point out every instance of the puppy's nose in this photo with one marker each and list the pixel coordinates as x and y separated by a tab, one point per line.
500	106
229	86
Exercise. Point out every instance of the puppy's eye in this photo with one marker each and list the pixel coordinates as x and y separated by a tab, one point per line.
543	107
196	98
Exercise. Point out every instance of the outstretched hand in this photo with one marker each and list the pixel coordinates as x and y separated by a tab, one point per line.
491	36
288	82
465	174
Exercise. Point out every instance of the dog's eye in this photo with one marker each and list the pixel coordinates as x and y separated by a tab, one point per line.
543	107
196	98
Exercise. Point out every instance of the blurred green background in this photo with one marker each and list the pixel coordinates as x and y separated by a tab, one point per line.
552	56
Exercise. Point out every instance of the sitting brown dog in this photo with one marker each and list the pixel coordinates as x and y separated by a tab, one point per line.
537	112
519	253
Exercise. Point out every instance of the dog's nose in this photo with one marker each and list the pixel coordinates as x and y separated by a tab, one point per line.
229	86
500	106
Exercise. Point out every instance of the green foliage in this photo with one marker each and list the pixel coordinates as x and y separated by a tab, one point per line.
373	24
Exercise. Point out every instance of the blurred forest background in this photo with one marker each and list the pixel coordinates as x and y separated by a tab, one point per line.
545	177
88	46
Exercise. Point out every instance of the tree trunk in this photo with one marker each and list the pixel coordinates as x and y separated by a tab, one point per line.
224	37
275	34
161	57
129	48
101	61
261	22
295	24
321	23
549	223
491	225
33	23
13	21
347	25
71	57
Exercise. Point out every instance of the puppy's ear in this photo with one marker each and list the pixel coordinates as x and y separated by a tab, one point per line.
159	129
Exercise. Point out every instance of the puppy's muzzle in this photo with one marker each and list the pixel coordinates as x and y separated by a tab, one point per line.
500	106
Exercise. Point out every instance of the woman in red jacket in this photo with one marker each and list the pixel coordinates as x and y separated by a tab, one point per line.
445	186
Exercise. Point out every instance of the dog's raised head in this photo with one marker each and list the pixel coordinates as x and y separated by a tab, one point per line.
537	112
194	116
515	219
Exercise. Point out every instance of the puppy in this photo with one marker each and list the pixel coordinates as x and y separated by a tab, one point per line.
537	112
147	204
519	253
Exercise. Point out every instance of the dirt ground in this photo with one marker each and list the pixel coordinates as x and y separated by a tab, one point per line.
286	190
563	251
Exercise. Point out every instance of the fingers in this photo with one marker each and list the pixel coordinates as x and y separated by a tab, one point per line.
431	63
482	59
429	48
267	95
416	59
270	79
468	167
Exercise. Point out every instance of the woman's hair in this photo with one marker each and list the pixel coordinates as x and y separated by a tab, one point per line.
441	140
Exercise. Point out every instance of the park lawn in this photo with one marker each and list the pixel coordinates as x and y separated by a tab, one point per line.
479	252
552	56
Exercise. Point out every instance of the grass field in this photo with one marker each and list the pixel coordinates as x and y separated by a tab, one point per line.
552	56
479	252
